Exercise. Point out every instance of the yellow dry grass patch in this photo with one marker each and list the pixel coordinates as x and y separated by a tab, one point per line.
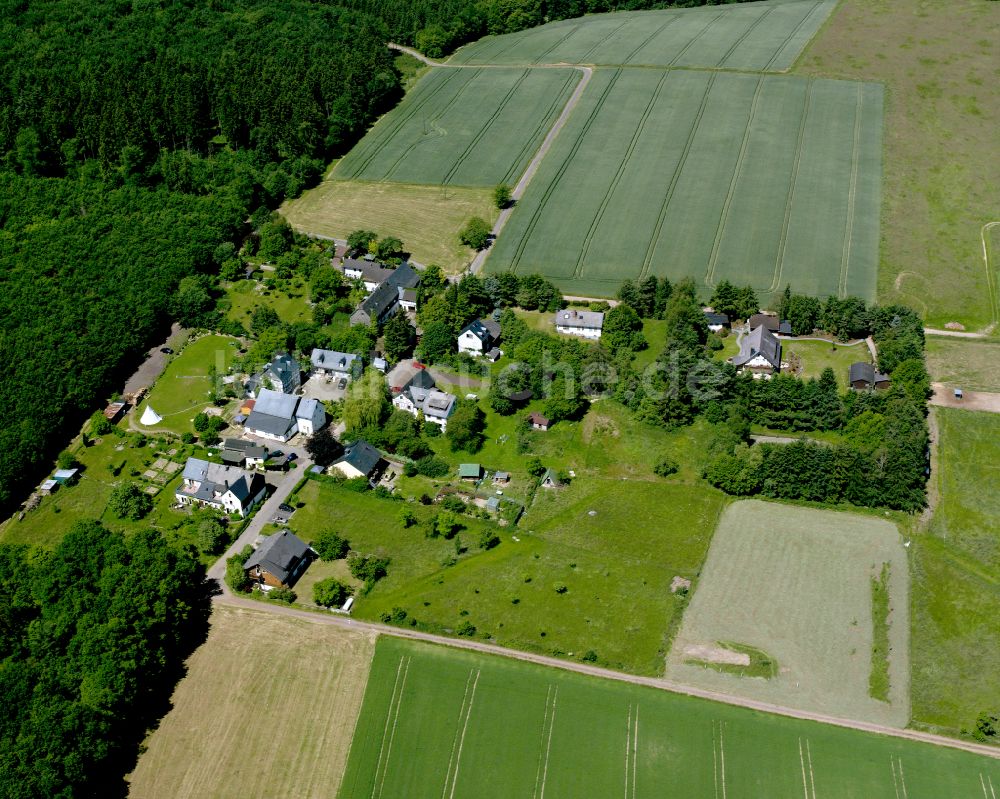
427	219
267	709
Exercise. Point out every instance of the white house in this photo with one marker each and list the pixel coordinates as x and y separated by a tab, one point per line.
479	337
760	353
225	488
587	324
436	406
360	459
278	417
371	273
334	364
310	416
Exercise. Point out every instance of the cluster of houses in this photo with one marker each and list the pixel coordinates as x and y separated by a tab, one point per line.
389	290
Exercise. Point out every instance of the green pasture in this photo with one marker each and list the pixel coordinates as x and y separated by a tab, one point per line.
763	179
441	722
795	583
815	356
964	363
956	578
182	391
462	127
753	37
291	303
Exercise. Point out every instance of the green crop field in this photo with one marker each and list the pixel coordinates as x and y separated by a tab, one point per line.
462	127
755	36
769	180
796	583
956	578
438	722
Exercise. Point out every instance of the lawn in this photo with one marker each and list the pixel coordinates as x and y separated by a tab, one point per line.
440	722
757	36
183	389
795	583
815	356
427	219
267	701
291	305
938	62
509	593
956	578
964	363
462	127
87	499
765	179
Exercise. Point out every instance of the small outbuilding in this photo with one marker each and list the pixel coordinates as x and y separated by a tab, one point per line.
65	476
716	321
115	411
538	422
470	471
863	377
550	479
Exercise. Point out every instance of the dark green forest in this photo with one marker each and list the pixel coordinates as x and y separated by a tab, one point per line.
93	637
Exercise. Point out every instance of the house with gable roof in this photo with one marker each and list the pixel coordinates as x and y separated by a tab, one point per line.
419	395
586	324
334	364
226	488
281	374
278	561
479	337
760	353
278	417
360	459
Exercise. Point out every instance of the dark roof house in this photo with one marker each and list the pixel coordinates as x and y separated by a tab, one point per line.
377	305
360	459
279	560
863	376
716	321
759	350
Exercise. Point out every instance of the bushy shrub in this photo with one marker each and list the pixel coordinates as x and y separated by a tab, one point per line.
330	592
331	545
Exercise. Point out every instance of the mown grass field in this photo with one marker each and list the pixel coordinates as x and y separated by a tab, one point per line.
182	391
268	708
796	583
815	356
427	219
938	61
964	363
763	179
245	296
956	578
755	36
462	127
439	722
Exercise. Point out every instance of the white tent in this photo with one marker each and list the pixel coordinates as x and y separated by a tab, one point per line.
150	417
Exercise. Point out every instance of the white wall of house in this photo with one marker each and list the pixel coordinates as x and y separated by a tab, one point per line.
583	332
272	436
308	426
402	401
348	471
470	343
758	362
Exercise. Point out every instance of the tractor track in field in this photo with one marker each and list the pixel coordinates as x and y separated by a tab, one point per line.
225	597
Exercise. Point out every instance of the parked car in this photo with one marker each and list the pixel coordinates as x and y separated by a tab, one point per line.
166	350
285	508
276	454
292	455
342	383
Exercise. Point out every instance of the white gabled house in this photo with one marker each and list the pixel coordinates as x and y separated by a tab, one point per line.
224	488
760	353
436	406
334	364
479	337
587	324
278	417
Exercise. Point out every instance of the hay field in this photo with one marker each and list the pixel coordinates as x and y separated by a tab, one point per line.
796	583
769	180
754	36
462	127
438	722
427	219
972	364
267	709
938	60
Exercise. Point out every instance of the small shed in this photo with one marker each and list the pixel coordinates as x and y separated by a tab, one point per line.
538	422
470	471
493	504
114	411
550	479
65	476
49	486
501	478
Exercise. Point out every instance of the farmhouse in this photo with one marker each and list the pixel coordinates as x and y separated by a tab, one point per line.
278	561
237	452
760	352
479	337
281	374
436	406
371	273
395	290
781	327
716	321
360	459
587	324
377	306
226	488
278	417
863	376
334	364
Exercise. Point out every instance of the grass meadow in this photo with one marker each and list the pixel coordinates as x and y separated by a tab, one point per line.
757	36
956	578
964	363
938	61
245	296
462	127
427	219
763	179
267	708
440	722
815	356
795	583
182	391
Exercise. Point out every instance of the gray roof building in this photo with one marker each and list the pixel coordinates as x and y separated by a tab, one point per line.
283	555
208	483
759	348
368	271
864	375
377	305
333	361
273	414
362	456
589	320
403	277
283	373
